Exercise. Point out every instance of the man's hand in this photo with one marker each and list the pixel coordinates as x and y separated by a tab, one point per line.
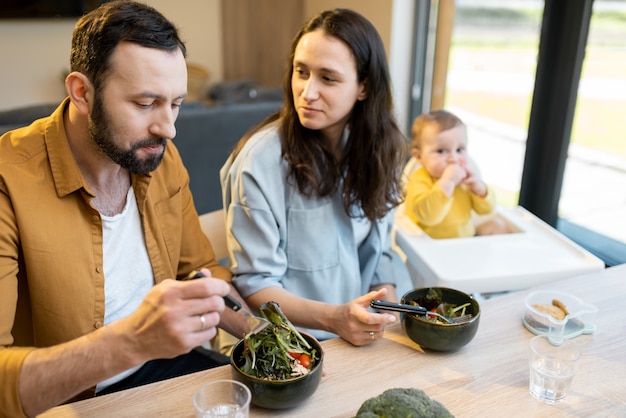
177	316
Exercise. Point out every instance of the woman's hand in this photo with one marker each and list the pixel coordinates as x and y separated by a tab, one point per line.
359	326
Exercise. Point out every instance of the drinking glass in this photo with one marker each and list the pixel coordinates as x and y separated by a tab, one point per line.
222	399
552	367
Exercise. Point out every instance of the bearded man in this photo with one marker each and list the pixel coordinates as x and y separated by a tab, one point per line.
97	224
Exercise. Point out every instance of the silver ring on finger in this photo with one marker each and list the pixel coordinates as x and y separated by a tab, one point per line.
202	323
373	335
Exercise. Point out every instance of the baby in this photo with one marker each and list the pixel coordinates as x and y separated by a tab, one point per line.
443	191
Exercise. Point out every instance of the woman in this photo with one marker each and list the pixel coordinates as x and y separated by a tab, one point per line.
309	193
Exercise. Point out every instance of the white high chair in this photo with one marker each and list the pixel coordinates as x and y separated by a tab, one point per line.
534	253
213	226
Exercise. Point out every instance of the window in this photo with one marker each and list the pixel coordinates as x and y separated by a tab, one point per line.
490	80
494	75
592	206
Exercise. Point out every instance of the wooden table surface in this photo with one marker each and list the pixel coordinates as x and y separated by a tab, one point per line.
486	378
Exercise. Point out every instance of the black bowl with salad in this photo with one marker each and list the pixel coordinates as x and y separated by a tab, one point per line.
429	331
280	365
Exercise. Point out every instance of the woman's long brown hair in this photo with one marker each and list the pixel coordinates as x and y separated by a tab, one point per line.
371	166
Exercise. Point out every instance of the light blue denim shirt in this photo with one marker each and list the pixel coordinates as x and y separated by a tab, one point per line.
279	237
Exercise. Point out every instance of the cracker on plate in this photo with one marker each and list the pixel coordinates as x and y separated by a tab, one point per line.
557	309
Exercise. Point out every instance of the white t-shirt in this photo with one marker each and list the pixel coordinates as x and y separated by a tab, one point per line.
128	272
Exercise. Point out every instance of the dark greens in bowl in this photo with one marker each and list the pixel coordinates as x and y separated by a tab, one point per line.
435	335
280	365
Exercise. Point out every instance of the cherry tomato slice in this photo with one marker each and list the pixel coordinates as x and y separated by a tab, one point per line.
305	360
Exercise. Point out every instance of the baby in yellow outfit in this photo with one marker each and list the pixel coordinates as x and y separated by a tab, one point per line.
443	191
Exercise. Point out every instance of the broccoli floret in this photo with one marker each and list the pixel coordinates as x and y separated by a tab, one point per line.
403	403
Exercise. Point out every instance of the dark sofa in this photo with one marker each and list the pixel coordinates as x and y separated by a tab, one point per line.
22	116
205	135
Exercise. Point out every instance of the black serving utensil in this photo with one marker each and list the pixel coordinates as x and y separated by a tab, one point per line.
256	324
415	309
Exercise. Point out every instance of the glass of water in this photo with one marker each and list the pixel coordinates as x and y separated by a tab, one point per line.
222	399
552	367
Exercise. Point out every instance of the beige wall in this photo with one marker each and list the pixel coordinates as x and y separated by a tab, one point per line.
34	56
200	25
35	53
378	12
396	38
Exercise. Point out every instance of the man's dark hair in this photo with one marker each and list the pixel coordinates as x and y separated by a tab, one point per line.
98	32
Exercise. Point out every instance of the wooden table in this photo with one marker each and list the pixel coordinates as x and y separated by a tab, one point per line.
486	378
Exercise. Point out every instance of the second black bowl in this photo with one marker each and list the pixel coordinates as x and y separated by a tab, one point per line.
437	336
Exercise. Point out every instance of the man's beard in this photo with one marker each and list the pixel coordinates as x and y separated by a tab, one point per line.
100	131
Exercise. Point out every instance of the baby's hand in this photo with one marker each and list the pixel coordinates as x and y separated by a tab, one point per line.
454	173
475	184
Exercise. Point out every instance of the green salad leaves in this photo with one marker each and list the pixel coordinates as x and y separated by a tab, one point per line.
279	351
433	301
